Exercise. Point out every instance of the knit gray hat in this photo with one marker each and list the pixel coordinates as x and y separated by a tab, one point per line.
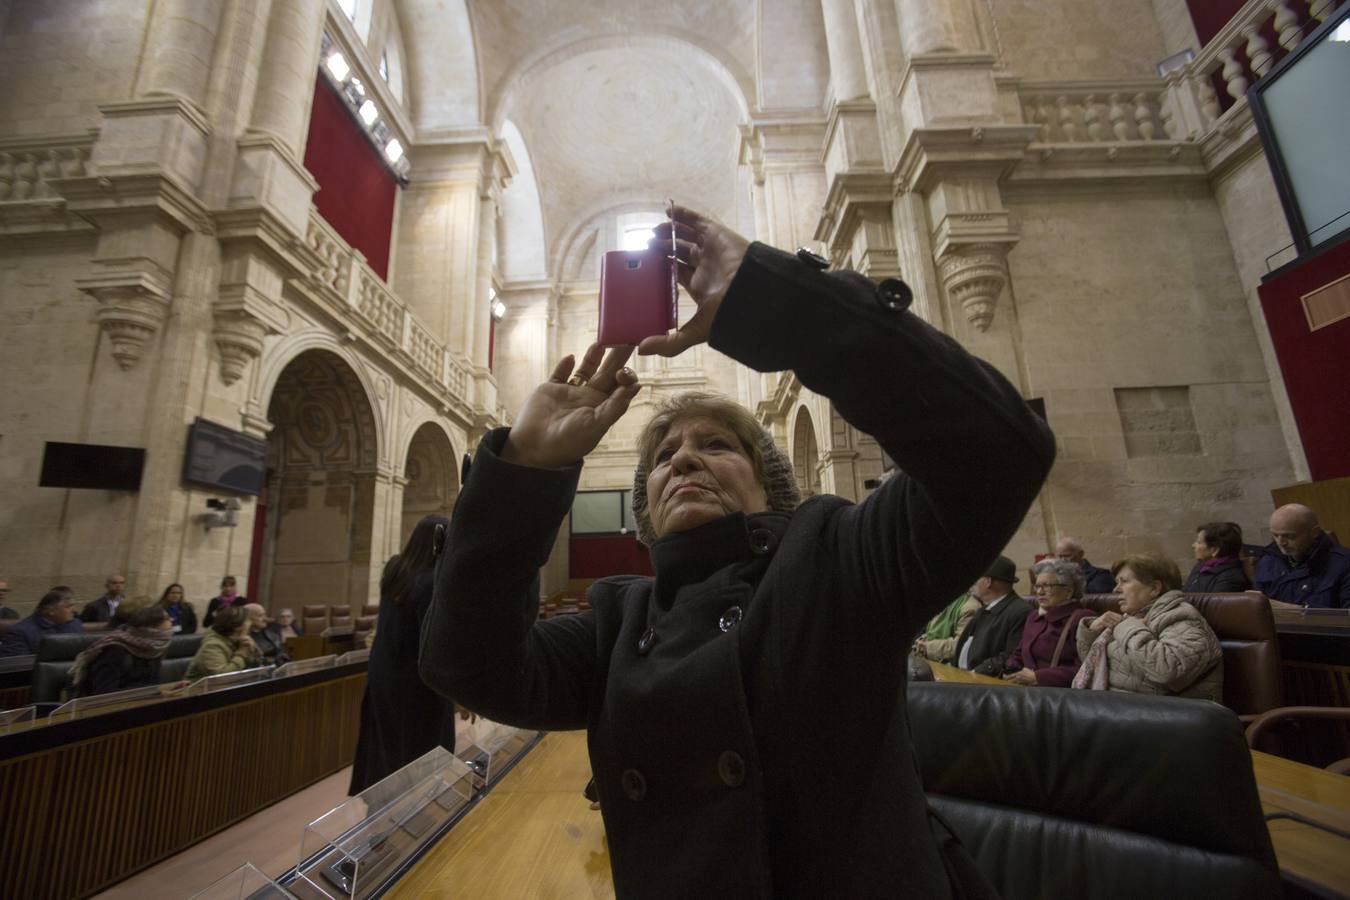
780	487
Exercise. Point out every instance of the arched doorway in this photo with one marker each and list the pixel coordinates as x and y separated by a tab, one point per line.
433	477
805	455
320	485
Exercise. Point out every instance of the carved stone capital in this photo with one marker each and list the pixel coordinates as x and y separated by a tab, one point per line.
974	276
239	338
132	307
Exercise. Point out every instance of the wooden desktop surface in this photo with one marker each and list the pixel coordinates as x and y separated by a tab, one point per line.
534	834
951	674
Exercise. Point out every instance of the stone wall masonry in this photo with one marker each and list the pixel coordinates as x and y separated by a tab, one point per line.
1078	39
60	59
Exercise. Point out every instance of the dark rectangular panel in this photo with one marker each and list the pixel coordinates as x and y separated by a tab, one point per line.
92	466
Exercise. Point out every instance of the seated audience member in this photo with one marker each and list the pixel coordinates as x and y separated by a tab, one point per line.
1302	565
122	615
1095	580
102	609
55	614
1048	652
938	641
285	626
1158	643
226	646
994	630
1218	560
174	602
228	596
126	658
5	611
272	649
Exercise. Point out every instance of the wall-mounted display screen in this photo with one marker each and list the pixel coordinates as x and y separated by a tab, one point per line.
221	457
93	466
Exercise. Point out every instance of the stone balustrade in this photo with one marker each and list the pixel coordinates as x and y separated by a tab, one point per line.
26	165
344	277
1094	112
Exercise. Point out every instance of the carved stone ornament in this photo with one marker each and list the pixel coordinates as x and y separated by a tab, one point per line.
974	276
130	313
239	338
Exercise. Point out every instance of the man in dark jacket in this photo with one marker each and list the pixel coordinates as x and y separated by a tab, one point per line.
55	614
102	609
1095	580
996	629
1302	565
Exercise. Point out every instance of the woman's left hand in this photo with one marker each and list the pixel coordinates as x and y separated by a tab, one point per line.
1022	676
707	256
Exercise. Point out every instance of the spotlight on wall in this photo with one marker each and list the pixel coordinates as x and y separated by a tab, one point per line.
393	150
337	65
368	112
498	310
226	515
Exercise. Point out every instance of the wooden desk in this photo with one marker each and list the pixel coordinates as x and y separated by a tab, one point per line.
1307	856
1335	623
533	835
945	673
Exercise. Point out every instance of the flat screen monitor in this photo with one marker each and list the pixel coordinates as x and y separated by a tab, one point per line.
91	466
1302	112
221	457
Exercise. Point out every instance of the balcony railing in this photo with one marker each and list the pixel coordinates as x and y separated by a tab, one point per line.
346	279
27	163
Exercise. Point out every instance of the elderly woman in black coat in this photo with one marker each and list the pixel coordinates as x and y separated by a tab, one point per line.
704	691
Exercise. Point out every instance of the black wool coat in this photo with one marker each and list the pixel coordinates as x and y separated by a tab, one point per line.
994	635
745	709
401	718
1227	577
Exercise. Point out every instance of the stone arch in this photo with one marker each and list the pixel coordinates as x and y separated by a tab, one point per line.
805	453
322	455
432	472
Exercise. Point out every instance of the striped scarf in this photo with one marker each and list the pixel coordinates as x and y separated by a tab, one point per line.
1092	673
146	643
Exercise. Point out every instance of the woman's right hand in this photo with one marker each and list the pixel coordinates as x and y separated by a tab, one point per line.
561	422
1105	621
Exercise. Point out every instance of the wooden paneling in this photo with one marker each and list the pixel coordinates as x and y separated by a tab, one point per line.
81	816
1329	498
14	697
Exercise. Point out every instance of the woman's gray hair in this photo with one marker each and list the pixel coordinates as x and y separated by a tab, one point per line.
772	466
1066	572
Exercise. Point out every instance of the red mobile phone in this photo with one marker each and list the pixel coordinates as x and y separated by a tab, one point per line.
637	296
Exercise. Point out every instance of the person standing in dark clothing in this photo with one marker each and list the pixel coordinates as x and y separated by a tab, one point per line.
102	609
1218	560
174	602
402	718
228	596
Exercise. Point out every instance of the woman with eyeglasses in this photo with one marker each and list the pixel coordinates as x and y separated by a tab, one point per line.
1048	652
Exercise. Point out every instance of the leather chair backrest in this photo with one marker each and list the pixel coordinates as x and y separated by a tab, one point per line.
1062	793
55	655
1252	681
175	669
315	624
370	609
313	612
340	621
183	645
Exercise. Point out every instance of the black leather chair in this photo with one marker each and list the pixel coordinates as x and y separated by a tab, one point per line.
1059	793
56	654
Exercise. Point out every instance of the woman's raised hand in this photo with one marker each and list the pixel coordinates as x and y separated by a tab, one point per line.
707	256
566	416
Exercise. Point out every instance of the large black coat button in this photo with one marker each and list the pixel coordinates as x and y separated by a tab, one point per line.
730	619
762	541
731	768
811	258
894	294
634	785
645	642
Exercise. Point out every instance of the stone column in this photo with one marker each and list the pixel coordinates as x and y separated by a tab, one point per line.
847	77
286	80
179	47
935	27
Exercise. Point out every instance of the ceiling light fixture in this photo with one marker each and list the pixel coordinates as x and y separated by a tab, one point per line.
498	310
337	64
368	112
393	150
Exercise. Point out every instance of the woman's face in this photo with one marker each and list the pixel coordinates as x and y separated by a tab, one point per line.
1202	550
1050	592
1134	594
284	619
700	473
175	595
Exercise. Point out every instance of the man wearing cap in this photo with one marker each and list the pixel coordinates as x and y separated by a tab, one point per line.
996	629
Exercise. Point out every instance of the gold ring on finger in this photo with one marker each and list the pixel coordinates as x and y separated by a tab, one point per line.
578	380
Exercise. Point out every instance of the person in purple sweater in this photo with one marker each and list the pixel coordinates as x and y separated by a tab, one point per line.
1048	654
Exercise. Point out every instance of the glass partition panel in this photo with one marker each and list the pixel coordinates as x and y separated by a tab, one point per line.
301	666
353	656
491	747
20	719
228	680
336	631
98	704
353	850
244	882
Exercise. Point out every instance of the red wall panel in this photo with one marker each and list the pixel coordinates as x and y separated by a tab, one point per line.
1209	16
1315	364
595	556
356	189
